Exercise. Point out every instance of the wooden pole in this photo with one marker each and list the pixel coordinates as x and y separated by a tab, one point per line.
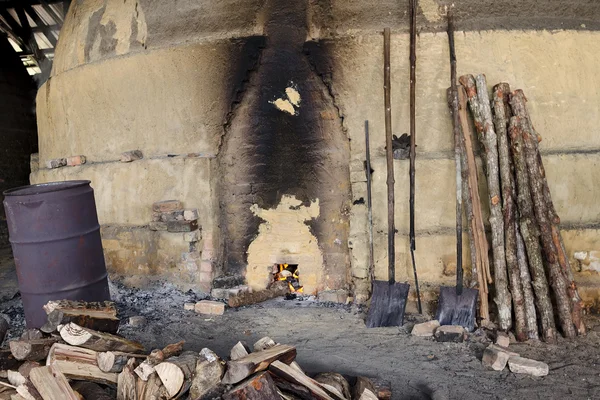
413	141
529	232
501	117
479	101
389	155
369	203
528	298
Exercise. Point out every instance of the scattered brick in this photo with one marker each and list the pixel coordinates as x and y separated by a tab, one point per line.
521	365
56	163
225	294
182	226
494	358
158	226
167	205
426	329
210	307
504	349
189	306
450	333
75	161
502	339
132	155
190	214
193	236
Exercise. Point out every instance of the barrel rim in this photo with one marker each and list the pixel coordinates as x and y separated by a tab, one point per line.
49	187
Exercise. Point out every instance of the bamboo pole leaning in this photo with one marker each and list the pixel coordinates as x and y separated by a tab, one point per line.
479	103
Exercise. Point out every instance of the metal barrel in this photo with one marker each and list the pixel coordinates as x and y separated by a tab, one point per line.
55	237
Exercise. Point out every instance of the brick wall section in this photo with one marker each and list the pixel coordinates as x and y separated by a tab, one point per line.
18	132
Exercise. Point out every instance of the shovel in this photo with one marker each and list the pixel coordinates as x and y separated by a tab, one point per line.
457	306
388	302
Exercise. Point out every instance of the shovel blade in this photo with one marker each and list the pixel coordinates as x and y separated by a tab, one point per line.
457	310
388	304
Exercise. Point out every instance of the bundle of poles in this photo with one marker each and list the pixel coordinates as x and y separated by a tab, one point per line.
533	282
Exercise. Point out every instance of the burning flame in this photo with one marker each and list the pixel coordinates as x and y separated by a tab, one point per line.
289	273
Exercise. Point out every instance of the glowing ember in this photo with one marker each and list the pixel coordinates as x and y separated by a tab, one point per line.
289	273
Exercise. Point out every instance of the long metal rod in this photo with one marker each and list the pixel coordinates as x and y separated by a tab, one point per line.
369	204
457	157
389	156
413	138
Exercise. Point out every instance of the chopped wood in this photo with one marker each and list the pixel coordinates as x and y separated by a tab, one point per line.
529	233
501	119
292	375
102	308
264	343
126	382
238	351
482	266
30	334
362	383
61	317
258	387
31	350
336	381
153	389
76	335
28	391
15	378
277	289
156	356
27	366
79	364
258	361
177	370
298	391
3	328
208	373
7	360
368	395
144	370
51	384
111	361
479	102
91	391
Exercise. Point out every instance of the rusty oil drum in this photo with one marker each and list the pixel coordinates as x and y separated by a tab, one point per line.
55	238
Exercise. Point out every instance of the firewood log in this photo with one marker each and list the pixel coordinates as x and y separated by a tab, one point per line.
15	378
31	350
208	373
367	395
79	364
126	382
266	343
257	387
31	334
91	391
335	380
294	376
479	102
28	391
362	383
529	233
27	366
277	289
99	316
258	361
501	119
383	388
298	391
156	356
238	351
153	389
114	361
75	335
176	371
529	299
51	384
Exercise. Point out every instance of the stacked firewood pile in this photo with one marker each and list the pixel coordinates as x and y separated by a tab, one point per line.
77	355
530	264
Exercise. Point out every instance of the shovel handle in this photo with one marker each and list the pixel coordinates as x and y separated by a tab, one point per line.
389	156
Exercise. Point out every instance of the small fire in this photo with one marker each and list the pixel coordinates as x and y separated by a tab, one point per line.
289	273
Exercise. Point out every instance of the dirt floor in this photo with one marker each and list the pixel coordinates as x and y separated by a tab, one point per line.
334	338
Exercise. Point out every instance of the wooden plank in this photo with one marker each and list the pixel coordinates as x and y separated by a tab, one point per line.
79	364
52	384
258	361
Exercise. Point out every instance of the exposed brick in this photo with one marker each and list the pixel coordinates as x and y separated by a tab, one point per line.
333	296
182	226
450	333
225	294
426	328
210	307
190	256
189	306
521	365
206	266
193	236
167	205
190	214
56	163
208	254
156	216
494	358
176	215
205	277
191	266
358	176
502	339
157	226
75	161
133	155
